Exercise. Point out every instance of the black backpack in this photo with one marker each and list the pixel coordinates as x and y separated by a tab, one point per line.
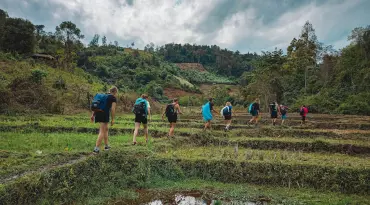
139	108
170	110
273	107
283	110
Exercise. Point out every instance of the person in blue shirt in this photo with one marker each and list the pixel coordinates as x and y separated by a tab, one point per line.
226	112
141	110
207	110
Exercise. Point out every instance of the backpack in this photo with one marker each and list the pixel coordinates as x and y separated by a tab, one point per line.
301	112
251	107
170	110
99	102
283	110
226	111
140	107
273	107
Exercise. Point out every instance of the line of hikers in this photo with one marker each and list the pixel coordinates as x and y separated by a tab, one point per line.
103	109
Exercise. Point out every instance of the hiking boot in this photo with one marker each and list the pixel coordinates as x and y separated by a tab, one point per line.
106	148
96	151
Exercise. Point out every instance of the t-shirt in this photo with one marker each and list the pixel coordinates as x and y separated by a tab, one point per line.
110	100
305	111
256	107
148	104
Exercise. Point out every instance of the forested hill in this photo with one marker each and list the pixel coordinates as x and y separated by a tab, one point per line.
307	72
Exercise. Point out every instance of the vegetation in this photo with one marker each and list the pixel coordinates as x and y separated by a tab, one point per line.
49	155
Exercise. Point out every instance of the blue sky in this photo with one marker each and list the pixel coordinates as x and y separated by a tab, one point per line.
244	25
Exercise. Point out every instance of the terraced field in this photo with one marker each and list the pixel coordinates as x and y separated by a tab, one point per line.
47	159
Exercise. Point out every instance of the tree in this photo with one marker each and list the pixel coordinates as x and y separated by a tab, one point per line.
68	33
94	41
104	41
133	44
3	17
18	36
116	43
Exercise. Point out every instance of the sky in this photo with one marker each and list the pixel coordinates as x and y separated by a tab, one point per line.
244	25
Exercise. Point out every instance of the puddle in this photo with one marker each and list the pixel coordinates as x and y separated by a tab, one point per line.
191	200
181	198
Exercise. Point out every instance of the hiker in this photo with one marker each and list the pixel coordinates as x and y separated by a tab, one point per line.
207	110
171	113
226	113
254	110
141	110
303	112
283	112
274	109
104	108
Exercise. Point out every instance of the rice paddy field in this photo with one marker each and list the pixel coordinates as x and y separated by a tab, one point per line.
47	159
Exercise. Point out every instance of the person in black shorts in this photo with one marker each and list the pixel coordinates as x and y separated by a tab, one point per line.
274	109
255	111
171	112
104	117
142	117
227	113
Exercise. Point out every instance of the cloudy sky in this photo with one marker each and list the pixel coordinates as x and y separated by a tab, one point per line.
244	25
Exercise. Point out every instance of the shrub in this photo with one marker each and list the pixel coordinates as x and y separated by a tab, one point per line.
356	104
37	75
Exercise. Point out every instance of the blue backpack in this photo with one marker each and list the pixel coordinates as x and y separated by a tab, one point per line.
250	109
99	102
226	111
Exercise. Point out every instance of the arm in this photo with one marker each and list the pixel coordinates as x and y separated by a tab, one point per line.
178	109
150	114
164	112
92	116
113	112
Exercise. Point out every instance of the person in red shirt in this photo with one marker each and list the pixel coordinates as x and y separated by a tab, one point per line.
303	112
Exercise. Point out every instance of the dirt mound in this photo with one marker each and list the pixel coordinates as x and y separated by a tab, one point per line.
176	93
191	66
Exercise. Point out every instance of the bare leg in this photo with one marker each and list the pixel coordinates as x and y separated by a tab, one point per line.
106	134
172	129
137	126
146	132
101	134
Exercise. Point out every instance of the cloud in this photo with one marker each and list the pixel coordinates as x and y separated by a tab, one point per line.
246	25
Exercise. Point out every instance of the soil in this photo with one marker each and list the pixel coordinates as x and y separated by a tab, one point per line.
191	66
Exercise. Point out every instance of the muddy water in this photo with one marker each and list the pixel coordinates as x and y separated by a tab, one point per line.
179	199
147	197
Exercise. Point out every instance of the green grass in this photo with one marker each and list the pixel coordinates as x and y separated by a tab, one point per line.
35	147
267	156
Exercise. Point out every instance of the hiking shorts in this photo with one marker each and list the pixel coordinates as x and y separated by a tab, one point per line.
102	117
254	113
141	119
303	118
274	114
227	117
283	117
172	119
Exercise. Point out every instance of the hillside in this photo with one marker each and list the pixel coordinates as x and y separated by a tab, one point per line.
28	86
191	66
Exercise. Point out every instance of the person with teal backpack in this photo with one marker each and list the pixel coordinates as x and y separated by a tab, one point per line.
254	110
207	110
141	110
102	106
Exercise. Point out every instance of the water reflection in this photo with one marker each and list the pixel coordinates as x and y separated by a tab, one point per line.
191	200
